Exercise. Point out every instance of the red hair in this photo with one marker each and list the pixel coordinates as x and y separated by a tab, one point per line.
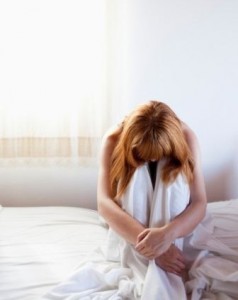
151	132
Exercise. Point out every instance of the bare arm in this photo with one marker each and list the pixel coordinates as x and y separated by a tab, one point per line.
191	217
118	220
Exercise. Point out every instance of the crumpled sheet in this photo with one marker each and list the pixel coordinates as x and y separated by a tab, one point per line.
214	272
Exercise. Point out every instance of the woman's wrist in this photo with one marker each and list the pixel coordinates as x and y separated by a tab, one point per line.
171	231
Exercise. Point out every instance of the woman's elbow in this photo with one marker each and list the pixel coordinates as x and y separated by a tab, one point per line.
203	208
103	206
100	206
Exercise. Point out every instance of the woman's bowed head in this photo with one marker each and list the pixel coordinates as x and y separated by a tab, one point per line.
152	132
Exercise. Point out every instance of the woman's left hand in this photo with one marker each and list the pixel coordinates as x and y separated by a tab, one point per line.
152	242
172	261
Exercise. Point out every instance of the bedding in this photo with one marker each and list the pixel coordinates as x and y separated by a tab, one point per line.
41	247
214	270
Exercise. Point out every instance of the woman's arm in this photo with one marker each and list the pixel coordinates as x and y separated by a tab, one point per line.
120	221
185	223
158	240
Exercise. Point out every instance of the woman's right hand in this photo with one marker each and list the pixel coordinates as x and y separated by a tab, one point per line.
153	242
172	261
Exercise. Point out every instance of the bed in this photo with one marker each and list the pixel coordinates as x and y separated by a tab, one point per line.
41	246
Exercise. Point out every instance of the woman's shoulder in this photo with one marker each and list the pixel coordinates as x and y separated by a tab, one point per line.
189	134
112	134
191	139
192	142
110	138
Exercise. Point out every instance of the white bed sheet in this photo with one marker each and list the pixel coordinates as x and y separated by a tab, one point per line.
214	272
40	246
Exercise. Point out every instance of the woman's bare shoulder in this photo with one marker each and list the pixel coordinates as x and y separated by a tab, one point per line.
192	142
110	139
112	134
189	135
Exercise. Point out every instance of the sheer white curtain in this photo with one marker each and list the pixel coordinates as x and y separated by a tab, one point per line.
53	78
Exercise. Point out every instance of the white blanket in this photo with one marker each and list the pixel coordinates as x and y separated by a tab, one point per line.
117	271
214	273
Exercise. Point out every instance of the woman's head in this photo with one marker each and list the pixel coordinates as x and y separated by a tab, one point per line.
151	132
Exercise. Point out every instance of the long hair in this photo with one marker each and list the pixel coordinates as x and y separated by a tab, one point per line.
151	132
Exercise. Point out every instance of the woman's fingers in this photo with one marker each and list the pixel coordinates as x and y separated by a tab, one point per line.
171	270
180	265
142	235
177	266
179	254
146	252
141	245
172	264
172	261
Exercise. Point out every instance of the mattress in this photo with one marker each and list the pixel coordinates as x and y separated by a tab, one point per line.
40	246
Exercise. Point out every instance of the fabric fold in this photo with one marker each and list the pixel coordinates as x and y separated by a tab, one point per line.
214	272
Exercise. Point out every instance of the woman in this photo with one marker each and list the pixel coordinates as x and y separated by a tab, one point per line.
143	256
151	132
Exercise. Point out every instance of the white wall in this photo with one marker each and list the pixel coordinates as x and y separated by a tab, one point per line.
184	53
49	184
